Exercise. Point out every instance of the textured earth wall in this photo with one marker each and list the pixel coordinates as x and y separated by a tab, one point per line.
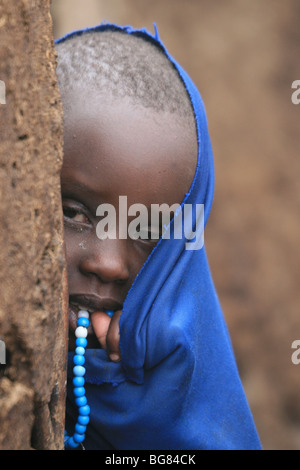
32	275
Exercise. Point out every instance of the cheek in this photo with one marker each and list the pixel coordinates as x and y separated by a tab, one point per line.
72	247
138	256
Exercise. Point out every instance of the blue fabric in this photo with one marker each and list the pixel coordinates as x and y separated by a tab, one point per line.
177	386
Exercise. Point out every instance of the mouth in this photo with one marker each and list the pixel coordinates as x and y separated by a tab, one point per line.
90	303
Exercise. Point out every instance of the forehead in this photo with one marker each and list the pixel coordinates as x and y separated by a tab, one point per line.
127	146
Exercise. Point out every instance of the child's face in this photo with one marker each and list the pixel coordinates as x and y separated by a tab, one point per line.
114	148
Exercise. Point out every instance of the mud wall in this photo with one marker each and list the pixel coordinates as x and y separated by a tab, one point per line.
32	275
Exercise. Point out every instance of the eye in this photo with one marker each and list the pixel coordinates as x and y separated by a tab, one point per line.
75	215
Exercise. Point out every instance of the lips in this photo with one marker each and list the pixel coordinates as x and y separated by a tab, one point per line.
91	303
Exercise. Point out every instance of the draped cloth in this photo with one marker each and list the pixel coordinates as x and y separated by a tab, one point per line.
177	386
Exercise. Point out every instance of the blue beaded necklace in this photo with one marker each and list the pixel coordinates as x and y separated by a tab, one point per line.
72	442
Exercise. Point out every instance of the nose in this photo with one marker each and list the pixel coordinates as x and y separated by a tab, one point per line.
106	259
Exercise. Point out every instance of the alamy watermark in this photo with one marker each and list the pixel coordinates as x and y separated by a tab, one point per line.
188	222
2	352
2	93
296	94
296	354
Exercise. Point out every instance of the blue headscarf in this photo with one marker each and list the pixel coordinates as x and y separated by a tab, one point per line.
177	386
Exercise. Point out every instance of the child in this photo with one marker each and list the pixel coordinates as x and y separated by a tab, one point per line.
160	371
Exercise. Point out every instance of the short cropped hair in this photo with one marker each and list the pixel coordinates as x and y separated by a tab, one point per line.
125	65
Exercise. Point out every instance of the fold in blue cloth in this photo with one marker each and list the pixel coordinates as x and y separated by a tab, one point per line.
177	386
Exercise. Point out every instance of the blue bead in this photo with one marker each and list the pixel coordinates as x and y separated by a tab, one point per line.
84	420
78	360
79	371
78	381
83	322
109	312
78	437
84	410
71	444
80	351
81	342
81	401
79	391
79	428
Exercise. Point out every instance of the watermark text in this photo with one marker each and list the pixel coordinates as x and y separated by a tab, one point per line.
2	352
296	354
139	222
296	94
2	93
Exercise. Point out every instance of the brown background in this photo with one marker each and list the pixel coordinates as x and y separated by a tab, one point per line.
244	56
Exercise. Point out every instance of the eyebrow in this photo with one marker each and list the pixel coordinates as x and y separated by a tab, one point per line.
72	185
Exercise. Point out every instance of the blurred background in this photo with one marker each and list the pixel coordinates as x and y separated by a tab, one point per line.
243	56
